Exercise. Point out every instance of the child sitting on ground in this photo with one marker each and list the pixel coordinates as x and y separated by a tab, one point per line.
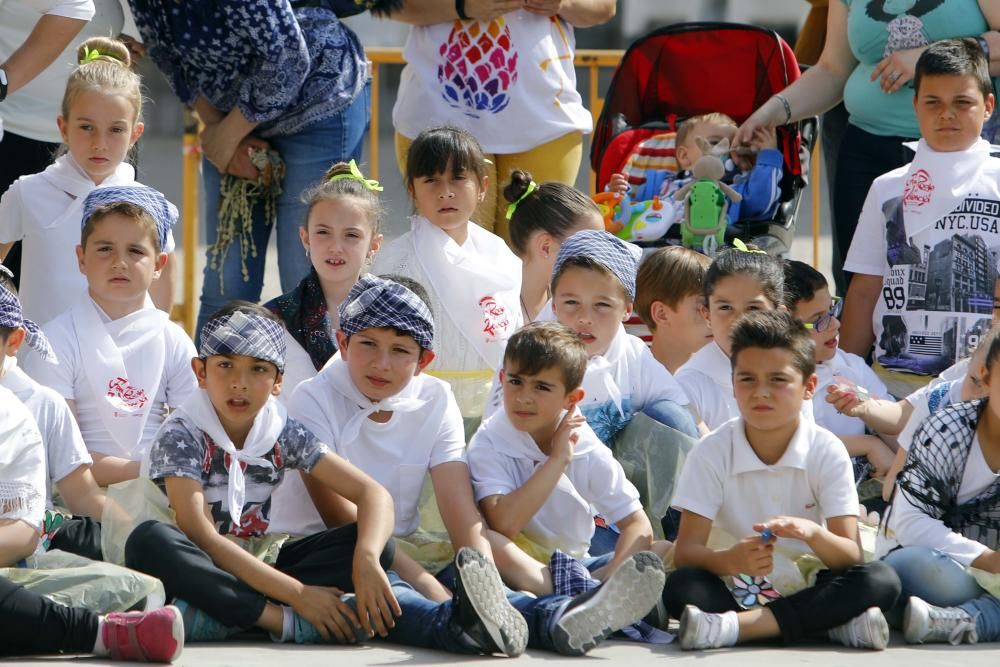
773	481
669	298
807	297
921	257
121	361
593	288
473	279
34	625
757	180
218	458
738	281
67	461
542	216
540	471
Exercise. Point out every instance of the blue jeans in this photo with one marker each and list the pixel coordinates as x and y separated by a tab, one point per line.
424	623
307	156
673	415
941	581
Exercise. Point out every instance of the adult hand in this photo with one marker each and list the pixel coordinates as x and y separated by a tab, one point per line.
487	10
896	69
240	164
377	606
543	7
136	49
752	557
768	116
219	143
331	616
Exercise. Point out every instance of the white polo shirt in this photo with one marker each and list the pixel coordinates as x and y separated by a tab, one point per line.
398	454
724	480
853	368
503	459
707	379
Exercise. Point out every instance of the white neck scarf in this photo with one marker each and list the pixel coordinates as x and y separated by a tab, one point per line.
22	463
14	378
66	174
267	427
337	374
937	183
601	380
125	394
478	284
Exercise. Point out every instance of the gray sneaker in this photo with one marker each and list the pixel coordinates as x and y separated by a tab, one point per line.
924	623
625	598
480	609
868	629
701	630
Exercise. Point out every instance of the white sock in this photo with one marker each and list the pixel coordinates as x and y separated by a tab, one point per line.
287	625
729	631
99	648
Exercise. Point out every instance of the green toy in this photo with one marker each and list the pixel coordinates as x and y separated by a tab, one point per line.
705	199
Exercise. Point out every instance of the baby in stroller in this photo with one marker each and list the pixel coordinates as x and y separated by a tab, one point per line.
754	172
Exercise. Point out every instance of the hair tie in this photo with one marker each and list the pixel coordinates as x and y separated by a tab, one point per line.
90	56
356	175
742	247
532	186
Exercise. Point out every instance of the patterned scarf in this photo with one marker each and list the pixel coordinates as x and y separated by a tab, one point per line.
303	310
935	465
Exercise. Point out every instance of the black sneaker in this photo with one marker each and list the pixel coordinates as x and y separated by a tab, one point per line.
481	610
625	598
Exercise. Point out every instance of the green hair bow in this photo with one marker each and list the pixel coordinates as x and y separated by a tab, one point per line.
743	247
356	175
532	186
90	55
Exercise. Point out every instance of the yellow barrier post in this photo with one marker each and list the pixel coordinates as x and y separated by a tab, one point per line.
192	163
815	178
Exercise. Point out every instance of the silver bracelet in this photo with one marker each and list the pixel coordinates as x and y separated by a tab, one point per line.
788	107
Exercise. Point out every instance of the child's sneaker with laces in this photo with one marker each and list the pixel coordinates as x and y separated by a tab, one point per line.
701	630
200	627
143	636
481	612
924	623
625	598
868	629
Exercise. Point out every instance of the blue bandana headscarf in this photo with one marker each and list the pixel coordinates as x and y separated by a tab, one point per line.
150	200
244	334
376	302
12	317
620	257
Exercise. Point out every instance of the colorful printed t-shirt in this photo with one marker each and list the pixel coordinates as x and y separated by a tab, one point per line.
938	280
488	77
183	450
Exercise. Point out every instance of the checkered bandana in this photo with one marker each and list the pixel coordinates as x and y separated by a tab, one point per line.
620	257
376	302
12	317
245	334
148	199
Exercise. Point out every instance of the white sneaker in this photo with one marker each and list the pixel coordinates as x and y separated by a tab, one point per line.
701	630
924	623
866	630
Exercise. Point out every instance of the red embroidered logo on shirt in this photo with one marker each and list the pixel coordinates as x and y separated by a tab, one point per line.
495	320
125	396
918	189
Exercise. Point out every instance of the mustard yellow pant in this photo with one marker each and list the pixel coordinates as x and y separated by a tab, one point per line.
557	160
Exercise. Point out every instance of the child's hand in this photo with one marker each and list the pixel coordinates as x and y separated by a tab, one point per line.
566	436
618	184
793	527
845	399
880	456
487	10
377	606
330	615
752	557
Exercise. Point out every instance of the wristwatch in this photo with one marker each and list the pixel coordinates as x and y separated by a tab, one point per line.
3	85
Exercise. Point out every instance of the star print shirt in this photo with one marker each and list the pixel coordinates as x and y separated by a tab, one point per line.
183	450
284	69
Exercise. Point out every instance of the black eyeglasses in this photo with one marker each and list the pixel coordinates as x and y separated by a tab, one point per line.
822	323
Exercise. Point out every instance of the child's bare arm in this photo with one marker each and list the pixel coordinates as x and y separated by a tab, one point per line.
871	447
17	540
635	535
748	556
453	490
4	249
110	470
320	606
881	415
333	508
890	477
81	493
838	545
856	333
423	581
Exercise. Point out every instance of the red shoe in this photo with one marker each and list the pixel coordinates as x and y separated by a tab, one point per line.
145	636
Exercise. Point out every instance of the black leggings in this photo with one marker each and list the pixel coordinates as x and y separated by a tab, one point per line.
188	573
835	598
34	625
